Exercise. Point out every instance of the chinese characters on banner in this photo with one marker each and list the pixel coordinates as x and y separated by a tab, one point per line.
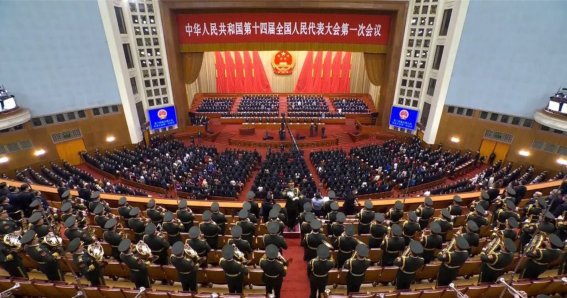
283	27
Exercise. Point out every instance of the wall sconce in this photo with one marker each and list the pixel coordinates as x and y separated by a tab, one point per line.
39	152
4	159
110	139
525	153
455	140
562	161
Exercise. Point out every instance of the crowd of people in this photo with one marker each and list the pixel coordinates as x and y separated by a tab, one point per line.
215	105
350	105
259	103
307	103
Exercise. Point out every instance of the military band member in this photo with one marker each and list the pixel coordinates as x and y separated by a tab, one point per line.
396	213
157	244
471	235
332	215
112	237
378	231
563	265
100	218
137	224
494	263
392	245
173	229
199	245
37	224
313	240
356	267
411	227
274	216
337	228
248	228
425	212
234	271
510	228
452	261
246	206
218	217
507	211
455	209
432	242
238	242
185	215
445	223
540	257
274	270
307	208
365	217
124	209
254	208
408	264
72	231
478	216
346	245
186	267
154	213
94	200
305	226
273	236
88	266
210	230
66	211
138	267
10	260
48	261
318	271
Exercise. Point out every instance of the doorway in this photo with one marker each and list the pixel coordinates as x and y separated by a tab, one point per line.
500	150
69	151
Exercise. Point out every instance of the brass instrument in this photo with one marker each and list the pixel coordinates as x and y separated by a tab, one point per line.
329	245
96	251
451	246
144	251
496	242
459	293
406	252
52	240
13	240
190	253
515	293
239	256
9	292
535	243
160	233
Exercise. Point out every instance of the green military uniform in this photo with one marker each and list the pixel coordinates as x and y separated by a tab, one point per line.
318	271
539	258
72	231
392	246
136	224
313	240
47	261
493	265
100	219
305	226
452	262
445	223
218	217
138	268
210	230
238	242
346	245
425	212
157	244
510	230
234	271
124	209
248	228
185	215
172	229
356	267
456	209
478	216
396	213
365	217
337	228
377	231
471	235
89	267
432	242
199	245
186	268
274	270
408	265
155	215
410	227
112	237
10	260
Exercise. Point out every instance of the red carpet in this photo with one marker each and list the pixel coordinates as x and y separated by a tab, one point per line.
296	283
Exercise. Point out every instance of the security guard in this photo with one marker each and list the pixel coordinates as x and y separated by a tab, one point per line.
313	240
10	260
186	267
540	258
155	215
392	245
378	231
234	271
452	261
455	209
432	242
157	244
199	245
337	228
356	267
48	262
138	268
346	245
173	229
396	213
273	236
365	217
425	212
124	209
137	224
248	228
471	235
408	263
510	228
411	227
493	264
274	270
318	271
445	223
218	217
72	231
88	266
305	226
112	237
185	215
242	245
210	230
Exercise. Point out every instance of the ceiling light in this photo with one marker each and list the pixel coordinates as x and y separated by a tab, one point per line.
4	159
455	140
524	152
562	161
39	152
110	139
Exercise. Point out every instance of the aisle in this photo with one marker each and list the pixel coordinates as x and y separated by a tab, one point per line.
296	283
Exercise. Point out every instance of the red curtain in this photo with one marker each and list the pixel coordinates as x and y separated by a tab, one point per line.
261	80
304	81
230	86
345	74
239	80
221	73
335	73
249	85
326	74
317	73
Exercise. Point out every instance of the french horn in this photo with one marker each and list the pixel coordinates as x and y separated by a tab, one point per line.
13	240
96	251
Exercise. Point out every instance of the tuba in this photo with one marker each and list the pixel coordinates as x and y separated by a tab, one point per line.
13	240
96	251
535	243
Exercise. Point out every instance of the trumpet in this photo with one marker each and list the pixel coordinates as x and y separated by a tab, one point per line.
459	293
96	251
515	293
8	292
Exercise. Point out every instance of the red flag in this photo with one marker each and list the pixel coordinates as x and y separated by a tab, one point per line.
336	73
260	74
239	73
248	71
304	81
317	72
221	73
345	74
230	84
326	74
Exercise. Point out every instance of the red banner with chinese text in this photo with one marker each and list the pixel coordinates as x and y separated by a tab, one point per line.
283	27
